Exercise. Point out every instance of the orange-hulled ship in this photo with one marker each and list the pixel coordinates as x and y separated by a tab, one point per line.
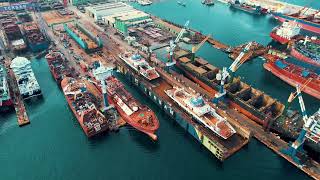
293	75
81	98
58	66
137	115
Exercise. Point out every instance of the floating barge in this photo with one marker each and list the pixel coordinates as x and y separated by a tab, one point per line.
36	40
155	90
86	40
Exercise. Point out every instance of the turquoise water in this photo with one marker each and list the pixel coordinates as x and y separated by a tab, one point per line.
54	147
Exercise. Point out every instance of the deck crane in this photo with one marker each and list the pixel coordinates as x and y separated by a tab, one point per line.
308	126
196	48
173	44
226	74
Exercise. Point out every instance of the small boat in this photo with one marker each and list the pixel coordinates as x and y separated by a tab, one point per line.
181	3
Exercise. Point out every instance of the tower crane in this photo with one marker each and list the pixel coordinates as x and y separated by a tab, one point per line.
173	44
197	47
223	75
308	126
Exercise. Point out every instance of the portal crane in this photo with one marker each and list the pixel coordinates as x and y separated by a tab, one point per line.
173	44
196	48
223	75
308	126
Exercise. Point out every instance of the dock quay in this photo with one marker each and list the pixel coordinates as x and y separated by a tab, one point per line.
22	116
222	149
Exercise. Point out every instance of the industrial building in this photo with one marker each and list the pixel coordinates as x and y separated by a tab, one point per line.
118	14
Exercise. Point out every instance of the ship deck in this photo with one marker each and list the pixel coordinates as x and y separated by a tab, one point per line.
232	144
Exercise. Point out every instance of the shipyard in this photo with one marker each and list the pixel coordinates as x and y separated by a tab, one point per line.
98	80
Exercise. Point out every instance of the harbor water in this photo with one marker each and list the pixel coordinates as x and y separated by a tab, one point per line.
54	147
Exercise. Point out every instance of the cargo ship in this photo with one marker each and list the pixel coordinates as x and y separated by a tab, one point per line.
137	115
26	80
284	33
245	7
5	98
293	75
309	23
81	99
140	65
200	110
35	39
307	50
58	66
249	101
13	35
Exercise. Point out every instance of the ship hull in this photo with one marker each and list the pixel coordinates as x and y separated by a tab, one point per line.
251	11
309	26
302	57
87	133
129	120
6	103
292	79
278	38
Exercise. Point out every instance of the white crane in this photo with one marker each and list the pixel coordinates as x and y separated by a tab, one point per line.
309	124
223	75
173	44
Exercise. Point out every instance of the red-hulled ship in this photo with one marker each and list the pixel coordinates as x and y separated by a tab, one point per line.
137	115
284	33
293	75
307	50
81	97
5	98
58	66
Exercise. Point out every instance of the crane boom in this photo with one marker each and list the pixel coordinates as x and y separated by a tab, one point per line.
237	62
173	44
196	48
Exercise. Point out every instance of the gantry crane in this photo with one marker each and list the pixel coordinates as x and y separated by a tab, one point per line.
197	47
308	126
173	44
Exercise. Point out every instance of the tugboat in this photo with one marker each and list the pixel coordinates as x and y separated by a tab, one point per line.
208	2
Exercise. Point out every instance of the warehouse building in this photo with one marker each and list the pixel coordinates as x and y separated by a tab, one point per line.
106	9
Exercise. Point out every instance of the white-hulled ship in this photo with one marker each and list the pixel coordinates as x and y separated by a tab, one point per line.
315	133
140	65
200	110
27	82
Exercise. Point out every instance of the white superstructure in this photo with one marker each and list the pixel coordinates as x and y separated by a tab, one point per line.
288	30
139	64
27	82
200	110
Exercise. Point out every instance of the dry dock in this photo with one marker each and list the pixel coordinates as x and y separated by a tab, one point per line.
222	149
